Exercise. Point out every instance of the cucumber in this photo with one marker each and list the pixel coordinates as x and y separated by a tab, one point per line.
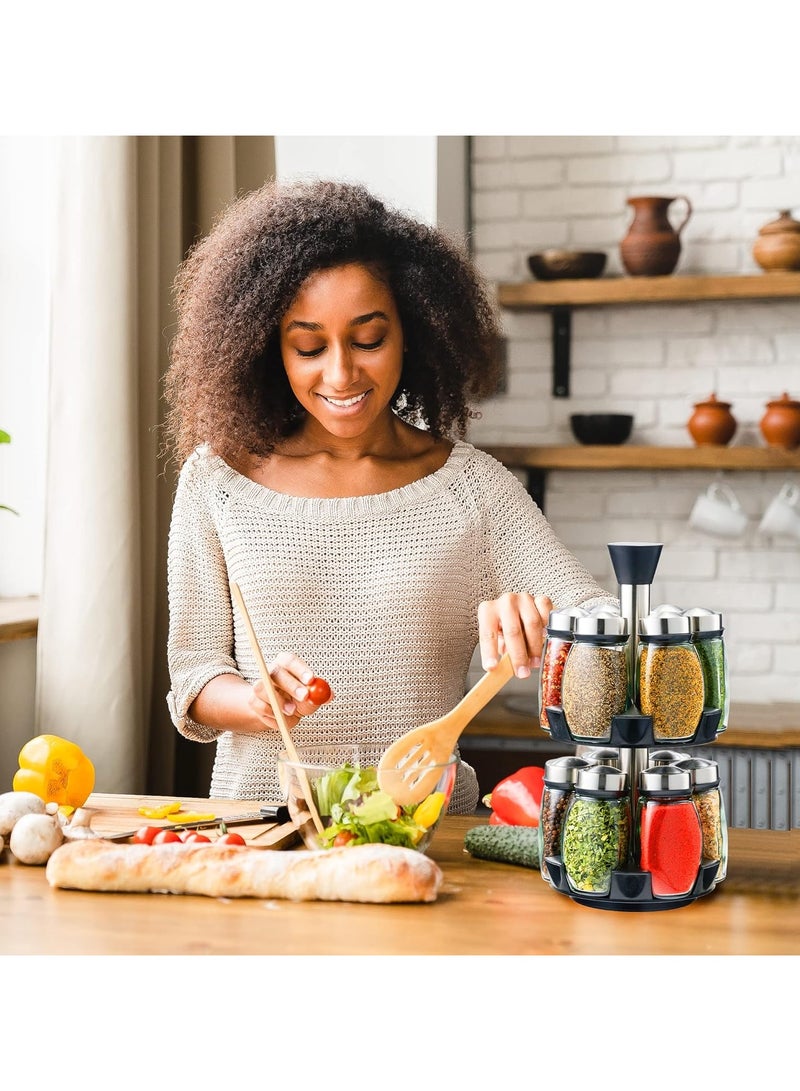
505	844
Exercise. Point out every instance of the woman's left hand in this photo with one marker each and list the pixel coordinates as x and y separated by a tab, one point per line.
513	623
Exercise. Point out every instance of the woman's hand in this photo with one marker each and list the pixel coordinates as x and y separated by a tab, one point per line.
514	623
291	676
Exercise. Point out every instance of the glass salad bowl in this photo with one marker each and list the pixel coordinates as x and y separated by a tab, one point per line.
352	809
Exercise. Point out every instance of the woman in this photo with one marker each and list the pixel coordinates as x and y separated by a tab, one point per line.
328	349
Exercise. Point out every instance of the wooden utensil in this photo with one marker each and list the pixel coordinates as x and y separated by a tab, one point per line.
404	770
274	701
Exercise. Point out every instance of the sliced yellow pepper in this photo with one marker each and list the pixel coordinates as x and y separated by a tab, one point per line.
429	810
56	770
163	811
194	818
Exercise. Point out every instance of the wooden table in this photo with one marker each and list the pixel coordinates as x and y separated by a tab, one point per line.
484	908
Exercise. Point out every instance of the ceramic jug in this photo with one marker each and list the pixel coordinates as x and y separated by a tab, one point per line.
777	248
780	425
712	422
652	246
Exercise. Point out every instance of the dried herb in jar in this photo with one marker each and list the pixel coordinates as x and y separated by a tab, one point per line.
559	780
595	689
706	628
596	830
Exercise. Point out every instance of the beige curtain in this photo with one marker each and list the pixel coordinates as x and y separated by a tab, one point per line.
126	210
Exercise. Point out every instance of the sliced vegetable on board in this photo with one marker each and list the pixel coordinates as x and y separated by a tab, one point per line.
517	799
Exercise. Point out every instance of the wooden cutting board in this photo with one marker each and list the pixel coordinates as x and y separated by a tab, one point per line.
119	813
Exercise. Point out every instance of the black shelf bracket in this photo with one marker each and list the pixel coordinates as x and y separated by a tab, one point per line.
562	328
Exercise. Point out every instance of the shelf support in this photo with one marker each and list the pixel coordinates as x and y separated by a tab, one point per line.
562	328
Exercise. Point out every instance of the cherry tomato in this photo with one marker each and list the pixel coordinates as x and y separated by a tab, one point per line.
344	837
230	838
319	691
166	837
145	834
193	836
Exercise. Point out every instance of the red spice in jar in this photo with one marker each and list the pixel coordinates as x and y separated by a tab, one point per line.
670	845
552	674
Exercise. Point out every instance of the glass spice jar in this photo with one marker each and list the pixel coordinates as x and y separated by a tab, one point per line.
669	839
669	677
556	645
666	757
710	804
559	779
595	687
597	826
600	755
706	629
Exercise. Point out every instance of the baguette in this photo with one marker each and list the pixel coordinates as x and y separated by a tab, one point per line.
361	873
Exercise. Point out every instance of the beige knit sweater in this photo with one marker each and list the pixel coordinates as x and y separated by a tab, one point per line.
378	594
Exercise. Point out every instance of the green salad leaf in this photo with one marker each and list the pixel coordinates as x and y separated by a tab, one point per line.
351	798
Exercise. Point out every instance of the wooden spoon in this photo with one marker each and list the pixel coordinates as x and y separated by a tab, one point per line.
274	700
404	770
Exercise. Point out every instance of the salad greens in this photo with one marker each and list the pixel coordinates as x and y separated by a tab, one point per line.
362	812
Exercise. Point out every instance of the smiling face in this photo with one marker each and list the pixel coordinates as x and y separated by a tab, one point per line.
342	348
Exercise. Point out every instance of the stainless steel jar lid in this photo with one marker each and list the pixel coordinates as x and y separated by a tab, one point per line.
665	778
602	778
563	621
702	771
665	625
666	757
616	626
602	755
563	771
702	620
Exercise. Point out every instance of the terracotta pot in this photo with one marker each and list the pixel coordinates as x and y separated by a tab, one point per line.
652	246
712	423
780	425
777	248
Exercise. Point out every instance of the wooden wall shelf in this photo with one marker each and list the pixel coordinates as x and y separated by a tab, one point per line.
604	291
560	296
19	618
625	457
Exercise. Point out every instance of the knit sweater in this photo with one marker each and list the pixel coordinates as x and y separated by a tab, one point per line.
378	594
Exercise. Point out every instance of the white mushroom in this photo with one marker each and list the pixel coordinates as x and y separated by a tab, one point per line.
13	805
35	837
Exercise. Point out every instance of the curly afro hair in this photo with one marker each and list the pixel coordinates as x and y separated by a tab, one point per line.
226	385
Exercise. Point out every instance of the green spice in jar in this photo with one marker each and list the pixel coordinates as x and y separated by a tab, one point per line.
706	627
596	830
595	684
670	678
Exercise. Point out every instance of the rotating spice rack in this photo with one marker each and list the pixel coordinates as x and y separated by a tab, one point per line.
632	733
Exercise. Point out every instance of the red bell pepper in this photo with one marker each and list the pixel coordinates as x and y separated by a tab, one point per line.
517	799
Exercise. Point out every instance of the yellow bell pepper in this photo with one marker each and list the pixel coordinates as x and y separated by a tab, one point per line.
56	770
164	811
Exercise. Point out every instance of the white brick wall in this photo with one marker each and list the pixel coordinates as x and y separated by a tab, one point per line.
655	362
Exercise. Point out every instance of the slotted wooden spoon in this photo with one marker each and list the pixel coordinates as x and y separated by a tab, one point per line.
274	700
404	770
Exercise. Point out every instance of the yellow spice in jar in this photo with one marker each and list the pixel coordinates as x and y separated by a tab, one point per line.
671	689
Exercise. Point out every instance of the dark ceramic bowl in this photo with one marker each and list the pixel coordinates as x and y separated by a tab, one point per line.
567	264
601	428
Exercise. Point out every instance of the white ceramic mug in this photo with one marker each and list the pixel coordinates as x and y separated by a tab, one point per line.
718	511
782	517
